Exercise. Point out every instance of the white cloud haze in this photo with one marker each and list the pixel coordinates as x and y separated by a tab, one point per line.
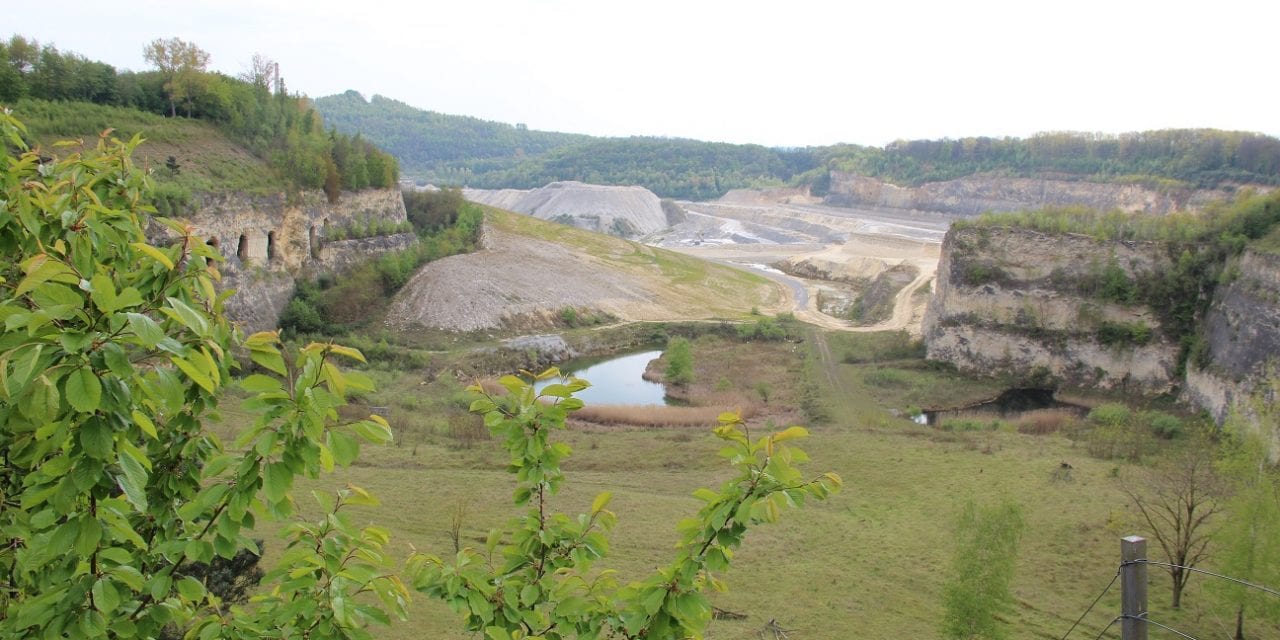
797	73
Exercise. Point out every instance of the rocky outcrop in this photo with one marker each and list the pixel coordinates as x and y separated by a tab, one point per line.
621	211
1010	301
978	194
270	240
1241	341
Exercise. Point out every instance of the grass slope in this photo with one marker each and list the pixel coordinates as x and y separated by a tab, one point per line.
207	159
869	563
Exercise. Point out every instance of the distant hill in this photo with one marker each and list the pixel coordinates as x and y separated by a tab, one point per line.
428	142
465	151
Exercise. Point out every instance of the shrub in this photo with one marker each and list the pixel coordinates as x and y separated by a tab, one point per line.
1164	425
679	362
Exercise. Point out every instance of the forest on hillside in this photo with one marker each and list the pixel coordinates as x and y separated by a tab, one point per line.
65	94
459	150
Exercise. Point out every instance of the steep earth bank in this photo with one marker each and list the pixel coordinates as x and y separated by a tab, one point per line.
530	271
621	211
269	241
977	194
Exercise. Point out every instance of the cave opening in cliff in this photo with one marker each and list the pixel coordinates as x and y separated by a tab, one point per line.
242	251
314	242
271	246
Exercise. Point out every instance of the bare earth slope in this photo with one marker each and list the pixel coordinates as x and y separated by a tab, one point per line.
529	270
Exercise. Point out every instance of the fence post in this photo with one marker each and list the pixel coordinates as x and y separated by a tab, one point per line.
1133	588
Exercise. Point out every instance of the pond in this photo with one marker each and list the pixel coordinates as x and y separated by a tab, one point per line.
616	380
1010	405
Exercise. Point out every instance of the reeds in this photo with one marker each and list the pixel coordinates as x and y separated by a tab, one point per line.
652	416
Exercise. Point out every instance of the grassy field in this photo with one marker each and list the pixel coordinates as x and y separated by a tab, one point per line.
869	563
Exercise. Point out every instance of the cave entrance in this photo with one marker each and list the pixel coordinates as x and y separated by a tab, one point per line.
271	246
242	251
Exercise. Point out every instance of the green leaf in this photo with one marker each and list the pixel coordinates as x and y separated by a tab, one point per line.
41	268
133	481
83	390
96	438
117	361
601	501
88	534
146	329
197	376
258	383
375	429
276	481
186	316
790	433
268	358
103	293
156	254
354	354
105	596
345	447
148	427
190	589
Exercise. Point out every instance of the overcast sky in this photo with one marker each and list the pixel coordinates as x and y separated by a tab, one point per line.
781	73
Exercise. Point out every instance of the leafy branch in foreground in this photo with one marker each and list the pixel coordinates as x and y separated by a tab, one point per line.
535	579
114	354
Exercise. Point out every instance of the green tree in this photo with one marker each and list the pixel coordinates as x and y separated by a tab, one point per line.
536	579
679	362
114	355
986	552
1248	542
182	64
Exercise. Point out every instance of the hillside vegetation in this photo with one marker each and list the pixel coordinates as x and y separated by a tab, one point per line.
66	95
466	151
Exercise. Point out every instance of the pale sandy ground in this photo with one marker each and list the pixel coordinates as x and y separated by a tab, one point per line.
853	238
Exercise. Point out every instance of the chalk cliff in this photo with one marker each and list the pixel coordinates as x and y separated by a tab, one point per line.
977	194
270	240
1009	301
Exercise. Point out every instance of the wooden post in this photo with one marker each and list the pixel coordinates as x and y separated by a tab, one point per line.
1133	588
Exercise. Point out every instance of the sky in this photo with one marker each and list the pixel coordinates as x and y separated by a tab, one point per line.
782	73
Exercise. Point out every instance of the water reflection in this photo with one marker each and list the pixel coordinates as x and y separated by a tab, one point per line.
617	380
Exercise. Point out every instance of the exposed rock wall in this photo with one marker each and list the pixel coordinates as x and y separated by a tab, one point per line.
977	194
1008	301
1242	337
270	240
621	211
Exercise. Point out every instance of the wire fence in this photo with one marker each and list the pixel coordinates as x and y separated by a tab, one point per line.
1146	619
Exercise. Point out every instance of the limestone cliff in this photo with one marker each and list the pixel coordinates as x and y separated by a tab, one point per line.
621	211
1241	338
977	194
268	241
1009	301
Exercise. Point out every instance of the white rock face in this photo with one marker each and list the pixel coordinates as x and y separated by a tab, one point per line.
620	211
1026	318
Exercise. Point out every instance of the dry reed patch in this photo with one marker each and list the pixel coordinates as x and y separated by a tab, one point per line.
651	416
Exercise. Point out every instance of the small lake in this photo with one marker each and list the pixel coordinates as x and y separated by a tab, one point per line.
1010	405
616	380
